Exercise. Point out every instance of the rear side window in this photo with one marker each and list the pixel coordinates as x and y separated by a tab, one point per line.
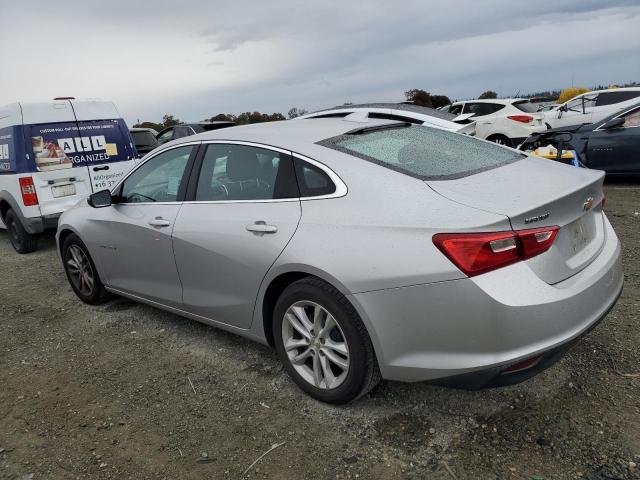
313	181
480	109
526	106
611	98
423	152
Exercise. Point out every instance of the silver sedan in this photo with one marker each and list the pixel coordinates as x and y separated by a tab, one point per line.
359	249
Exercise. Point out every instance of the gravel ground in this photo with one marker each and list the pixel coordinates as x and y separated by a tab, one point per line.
125	391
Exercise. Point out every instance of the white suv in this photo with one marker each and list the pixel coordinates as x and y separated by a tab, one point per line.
591	107
504	121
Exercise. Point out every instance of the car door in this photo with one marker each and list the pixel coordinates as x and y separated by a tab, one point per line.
616	150
133	236
243	207
576	111
484	116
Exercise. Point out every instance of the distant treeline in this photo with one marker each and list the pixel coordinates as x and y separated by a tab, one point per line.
415	95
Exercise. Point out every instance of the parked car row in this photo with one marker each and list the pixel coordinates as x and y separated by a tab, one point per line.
611	144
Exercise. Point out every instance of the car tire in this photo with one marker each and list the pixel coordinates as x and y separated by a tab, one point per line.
500	140
21	240
81	271
334	343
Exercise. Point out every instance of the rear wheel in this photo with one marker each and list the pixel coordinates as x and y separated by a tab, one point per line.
322	342
21	240
500	140
81	271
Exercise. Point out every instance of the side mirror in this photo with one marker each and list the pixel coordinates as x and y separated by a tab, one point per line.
563	108
614	123
100	199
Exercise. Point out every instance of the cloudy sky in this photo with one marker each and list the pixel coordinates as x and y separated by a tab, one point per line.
198	58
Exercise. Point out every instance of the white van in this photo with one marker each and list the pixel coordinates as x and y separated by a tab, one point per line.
52	154
591	107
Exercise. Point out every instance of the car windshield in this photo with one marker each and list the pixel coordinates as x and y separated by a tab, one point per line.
423	152
143	137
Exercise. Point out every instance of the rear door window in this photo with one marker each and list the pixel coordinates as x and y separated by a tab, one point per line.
232	172
423	152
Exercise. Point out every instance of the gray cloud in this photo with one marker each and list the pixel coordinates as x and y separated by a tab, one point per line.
205	57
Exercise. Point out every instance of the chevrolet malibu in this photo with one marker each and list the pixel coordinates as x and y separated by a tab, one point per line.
359	250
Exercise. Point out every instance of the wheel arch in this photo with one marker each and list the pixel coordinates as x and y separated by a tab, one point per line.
276	282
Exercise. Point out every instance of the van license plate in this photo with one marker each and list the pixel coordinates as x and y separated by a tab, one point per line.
63	190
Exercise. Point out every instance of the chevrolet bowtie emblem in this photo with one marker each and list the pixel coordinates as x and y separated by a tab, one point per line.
588	204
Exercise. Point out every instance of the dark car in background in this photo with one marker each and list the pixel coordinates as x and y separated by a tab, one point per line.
144	139
612	144
185	129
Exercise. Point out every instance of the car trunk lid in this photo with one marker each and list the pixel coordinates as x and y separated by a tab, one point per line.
536	193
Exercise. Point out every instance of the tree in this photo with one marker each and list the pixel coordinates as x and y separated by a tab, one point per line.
169	121
223	117
425	99
419	97
295	112
488	94
438	101
569	93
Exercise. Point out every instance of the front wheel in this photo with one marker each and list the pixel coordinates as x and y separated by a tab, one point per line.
21	240
322	342
81	271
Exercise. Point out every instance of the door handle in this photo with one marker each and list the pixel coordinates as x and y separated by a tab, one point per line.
261	228
97	169
159	222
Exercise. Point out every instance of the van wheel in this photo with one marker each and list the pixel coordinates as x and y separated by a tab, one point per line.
322	342
22	241
81	272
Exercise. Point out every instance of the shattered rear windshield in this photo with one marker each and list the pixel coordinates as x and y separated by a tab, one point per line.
423	152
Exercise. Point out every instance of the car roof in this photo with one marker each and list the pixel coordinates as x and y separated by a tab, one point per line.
620	89
504	101
405	107
298	136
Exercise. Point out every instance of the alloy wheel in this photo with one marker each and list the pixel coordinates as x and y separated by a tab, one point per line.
315	345
80	270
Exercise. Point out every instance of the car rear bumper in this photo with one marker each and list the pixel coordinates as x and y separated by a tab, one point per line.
450	328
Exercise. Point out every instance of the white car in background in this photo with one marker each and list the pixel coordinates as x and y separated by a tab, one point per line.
506	121
400	112
592	107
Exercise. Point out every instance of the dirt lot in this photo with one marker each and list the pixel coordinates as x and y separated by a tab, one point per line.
125	391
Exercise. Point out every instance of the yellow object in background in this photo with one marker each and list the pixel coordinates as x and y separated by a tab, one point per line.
551	153
111	149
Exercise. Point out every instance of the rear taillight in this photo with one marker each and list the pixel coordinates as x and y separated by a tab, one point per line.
28	190
476	253
521	118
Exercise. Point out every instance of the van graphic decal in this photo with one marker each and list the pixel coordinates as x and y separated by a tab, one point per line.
67	145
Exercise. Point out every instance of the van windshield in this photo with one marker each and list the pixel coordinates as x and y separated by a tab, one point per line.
424	152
